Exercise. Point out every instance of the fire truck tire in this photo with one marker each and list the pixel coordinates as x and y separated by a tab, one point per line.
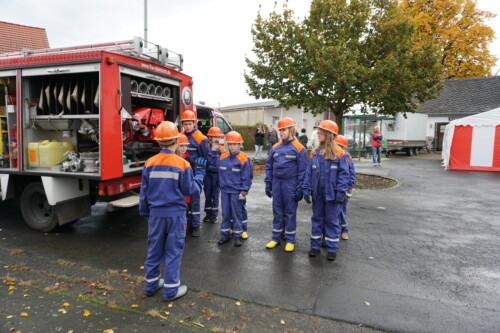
417	151
409	152
35	208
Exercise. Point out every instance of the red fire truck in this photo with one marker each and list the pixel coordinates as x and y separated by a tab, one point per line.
77	124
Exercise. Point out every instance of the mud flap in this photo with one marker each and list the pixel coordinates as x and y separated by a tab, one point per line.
71	210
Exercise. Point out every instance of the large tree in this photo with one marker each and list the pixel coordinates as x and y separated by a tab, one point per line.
344	53
458	28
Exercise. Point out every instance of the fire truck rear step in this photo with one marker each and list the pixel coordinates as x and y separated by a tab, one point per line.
126	202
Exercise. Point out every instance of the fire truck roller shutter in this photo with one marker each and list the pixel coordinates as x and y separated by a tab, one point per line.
158	78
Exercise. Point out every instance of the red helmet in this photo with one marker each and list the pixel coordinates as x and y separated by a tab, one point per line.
234	137
188	115
329	125
286	122
182	139
166	131
214	131
342	140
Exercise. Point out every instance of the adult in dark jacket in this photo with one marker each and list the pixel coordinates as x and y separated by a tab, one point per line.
303	139
259	140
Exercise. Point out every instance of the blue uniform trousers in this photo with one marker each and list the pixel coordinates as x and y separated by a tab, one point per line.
343	217
284	211
231	212
193	217
325	219
244	215
212	192
165	243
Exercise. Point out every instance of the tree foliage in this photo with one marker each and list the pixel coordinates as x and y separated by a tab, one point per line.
458	28
343	54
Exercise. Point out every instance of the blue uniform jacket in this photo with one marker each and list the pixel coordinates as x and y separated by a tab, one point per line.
166	180
234	173
198	144
352	172
213	157
287	161
336	176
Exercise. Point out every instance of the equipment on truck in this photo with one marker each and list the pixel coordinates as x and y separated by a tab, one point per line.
78	123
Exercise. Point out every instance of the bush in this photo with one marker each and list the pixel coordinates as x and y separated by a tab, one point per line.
247	134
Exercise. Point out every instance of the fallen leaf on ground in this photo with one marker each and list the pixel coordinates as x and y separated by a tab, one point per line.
11	288
62	310
10	283
142	267
170	305
282	322
108	331
24	314
181	321
8	317
125	271
198	324
134	306
27	308
237	303
367	303
66	304
86	313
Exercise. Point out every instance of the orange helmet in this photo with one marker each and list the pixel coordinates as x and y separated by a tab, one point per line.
234	137
188	115
286	122
342	140
166	131
214	131
329	125
182	139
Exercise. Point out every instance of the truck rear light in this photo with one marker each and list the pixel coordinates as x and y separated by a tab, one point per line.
113	189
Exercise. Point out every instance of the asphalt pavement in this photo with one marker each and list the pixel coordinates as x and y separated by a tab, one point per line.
422	256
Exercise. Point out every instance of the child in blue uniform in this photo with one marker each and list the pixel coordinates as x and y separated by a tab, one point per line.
344	229
166	180
212	189
235	182
326	182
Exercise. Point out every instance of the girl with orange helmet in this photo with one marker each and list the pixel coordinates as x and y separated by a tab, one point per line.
212	189
343	142
285	168
326	181
235	182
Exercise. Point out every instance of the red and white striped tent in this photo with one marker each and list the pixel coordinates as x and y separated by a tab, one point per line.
473	143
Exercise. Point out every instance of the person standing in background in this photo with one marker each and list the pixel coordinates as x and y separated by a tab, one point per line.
272	138
303	139
259	140
376	145
314	138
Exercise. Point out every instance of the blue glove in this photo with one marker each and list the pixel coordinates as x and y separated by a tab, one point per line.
298	196
307	196
269	193
338	200
200	166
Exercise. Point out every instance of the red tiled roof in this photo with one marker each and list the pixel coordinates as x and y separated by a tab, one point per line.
16	37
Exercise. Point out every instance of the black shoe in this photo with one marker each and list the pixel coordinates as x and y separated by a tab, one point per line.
237	242
213	219
323	242
223	241
195	232
331	256
207	218
314	252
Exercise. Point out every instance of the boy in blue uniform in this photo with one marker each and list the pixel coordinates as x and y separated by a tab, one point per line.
285	168
212	189
344	230
198	147
235	182
166	180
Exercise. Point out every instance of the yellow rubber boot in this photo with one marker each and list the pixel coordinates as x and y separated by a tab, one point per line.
231	232
289	247
344	236
272	244
244	235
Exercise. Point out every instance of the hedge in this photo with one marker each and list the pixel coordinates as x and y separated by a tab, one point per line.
247	134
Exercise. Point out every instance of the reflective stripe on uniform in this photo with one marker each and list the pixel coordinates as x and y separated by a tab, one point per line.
152	280
331	239
333	167
244	221
316	237
195	213
172	285
290	232
275	230
222	168
237	170
238	232
164	174
192	148
290	156
224	230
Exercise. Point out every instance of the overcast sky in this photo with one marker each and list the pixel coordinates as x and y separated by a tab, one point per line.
213	35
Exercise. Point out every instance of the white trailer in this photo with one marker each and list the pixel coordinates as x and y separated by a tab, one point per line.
405	134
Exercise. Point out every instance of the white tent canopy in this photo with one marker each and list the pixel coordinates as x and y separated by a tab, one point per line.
489	118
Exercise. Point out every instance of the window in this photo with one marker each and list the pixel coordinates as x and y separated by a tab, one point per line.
223	125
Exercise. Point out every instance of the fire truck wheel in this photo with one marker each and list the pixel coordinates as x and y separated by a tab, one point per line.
37	212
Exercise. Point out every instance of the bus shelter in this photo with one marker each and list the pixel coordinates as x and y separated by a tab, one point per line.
357	130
